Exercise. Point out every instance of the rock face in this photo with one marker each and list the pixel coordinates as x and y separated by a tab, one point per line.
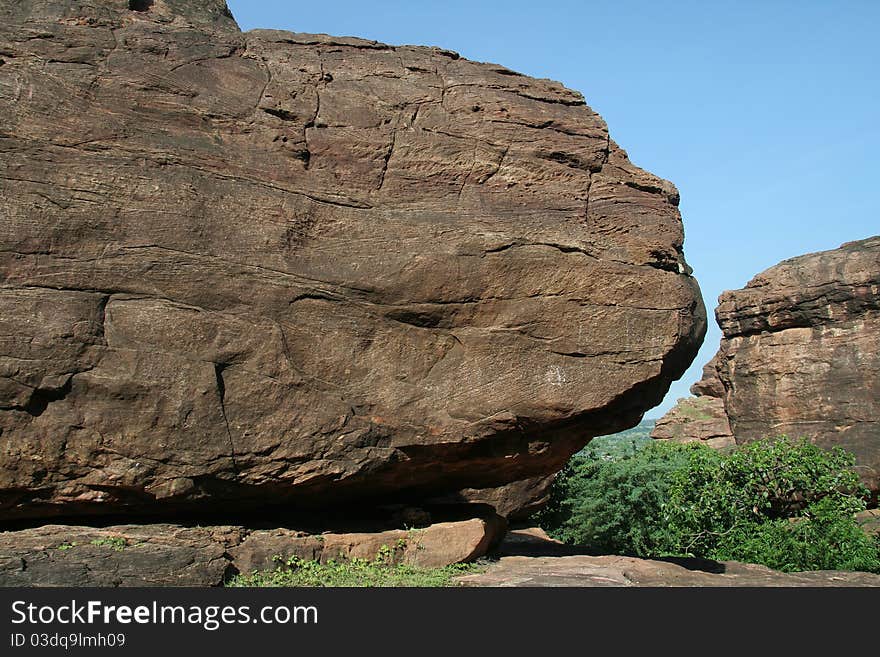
515	501
148	555
435	546
174	555
240	269
800	353
698	418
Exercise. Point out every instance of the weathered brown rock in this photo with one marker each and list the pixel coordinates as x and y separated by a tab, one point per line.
125	555
700	418
800	355
801	352
582	570
515	501
239	269
172	555
435	546
533	559
696	419
710	384
869	521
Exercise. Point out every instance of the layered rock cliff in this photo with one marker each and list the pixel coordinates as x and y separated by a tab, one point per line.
800	353
302	270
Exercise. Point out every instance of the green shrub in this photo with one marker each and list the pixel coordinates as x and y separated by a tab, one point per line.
614	505
827	538
788	505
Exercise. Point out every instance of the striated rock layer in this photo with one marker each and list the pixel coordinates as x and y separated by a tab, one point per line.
800	353
240	269
515	501
698	418
176	555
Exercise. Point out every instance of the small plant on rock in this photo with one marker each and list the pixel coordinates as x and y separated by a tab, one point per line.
117	543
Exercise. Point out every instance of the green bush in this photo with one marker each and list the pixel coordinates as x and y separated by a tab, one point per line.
827	538
614	505
788	505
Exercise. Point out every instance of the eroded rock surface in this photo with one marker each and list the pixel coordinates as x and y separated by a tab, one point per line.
800	355
801	352
240	269
515	501
700	418
530	558
175	555
589	571
126	555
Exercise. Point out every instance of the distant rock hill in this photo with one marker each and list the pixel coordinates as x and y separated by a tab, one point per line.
700	418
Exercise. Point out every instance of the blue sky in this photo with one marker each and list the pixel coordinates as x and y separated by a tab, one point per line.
765	114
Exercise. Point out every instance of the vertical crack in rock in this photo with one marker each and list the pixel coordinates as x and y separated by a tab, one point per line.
387	158
221	394
587	199
101	332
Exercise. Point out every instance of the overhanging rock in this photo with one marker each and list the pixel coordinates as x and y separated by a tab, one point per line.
242	269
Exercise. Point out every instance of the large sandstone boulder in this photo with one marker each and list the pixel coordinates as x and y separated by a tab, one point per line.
240	269
800	353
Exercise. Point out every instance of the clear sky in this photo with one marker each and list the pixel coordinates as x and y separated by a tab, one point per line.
765	114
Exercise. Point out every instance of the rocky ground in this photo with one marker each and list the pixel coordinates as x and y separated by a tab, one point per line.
180	555
530	558
176	555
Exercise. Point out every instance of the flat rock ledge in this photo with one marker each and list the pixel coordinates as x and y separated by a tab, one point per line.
533	559
175	555
589	571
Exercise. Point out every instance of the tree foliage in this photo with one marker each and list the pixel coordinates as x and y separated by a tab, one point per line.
786	504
